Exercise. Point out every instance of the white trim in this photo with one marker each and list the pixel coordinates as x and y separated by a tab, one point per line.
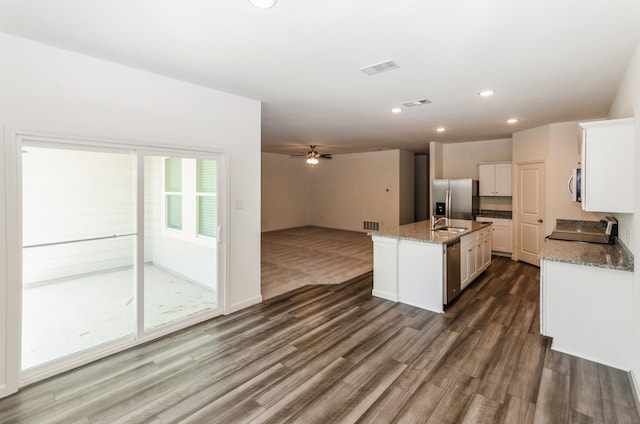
242	305
385	295
10	290
588	358
635	388
140	224
112	145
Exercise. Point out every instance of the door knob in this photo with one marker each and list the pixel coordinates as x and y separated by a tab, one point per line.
540	220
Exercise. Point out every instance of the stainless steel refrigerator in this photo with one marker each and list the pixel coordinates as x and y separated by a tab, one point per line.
456	198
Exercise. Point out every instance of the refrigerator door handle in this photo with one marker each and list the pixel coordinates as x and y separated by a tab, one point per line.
448	214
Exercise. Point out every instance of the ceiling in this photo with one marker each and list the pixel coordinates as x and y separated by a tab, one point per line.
547	60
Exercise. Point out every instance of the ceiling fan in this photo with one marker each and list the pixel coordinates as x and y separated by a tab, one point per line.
313	155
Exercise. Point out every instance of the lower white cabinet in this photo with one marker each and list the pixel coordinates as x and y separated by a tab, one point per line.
467	259
475	255
587	311
500	234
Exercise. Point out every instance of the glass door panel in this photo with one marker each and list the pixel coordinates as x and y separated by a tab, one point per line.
79	244
180	259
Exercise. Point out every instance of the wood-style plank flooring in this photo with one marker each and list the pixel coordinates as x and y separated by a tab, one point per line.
303	256
334	353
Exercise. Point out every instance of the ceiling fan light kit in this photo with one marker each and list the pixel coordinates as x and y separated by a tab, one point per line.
312	156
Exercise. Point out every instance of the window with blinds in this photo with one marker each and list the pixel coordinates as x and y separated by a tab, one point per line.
206	208
173	192
183	190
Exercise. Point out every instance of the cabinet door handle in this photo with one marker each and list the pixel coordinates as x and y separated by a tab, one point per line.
540	220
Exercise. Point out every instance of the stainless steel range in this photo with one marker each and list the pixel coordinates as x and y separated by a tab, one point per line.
603	232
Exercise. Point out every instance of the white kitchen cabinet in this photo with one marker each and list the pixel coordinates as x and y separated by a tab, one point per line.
587	311
475	255
484	249
468	269
607	165
500	234
495	179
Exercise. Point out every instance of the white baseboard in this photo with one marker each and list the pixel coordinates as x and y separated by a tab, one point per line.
5	390
385	295
245	304
635	387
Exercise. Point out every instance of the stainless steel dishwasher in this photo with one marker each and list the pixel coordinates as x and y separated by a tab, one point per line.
452	271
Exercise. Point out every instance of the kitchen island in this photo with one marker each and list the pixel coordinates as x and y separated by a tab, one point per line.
409	261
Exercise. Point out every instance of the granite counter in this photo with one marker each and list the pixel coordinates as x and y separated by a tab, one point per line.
589	254
422	232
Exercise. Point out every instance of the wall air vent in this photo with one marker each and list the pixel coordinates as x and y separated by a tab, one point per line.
417	103
371	225
378	68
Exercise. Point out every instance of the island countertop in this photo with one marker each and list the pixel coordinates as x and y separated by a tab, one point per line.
599	255
421	231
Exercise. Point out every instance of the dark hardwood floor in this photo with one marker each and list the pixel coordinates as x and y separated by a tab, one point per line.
328	353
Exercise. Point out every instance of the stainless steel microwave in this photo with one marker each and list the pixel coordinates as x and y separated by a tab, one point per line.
574	184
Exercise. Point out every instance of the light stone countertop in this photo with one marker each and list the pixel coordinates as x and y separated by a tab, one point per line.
421	231
590	254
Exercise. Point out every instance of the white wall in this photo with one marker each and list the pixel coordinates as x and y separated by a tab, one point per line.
421	188
286	191
461	160
407	187
626	105
53	91
339	193
355	187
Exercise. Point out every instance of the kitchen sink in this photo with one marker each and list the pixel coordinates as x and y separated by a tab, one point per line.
450	230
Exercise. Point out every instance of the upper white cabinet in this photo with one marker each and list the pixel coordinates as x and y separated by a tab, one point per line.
495	179
607	165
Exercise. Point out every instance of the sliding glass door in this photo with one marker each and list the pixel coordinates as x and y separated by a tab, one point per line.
79	233
118	246
181	226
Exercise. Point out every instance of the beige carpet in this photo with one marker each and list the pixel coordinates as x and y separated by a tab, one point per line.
303	256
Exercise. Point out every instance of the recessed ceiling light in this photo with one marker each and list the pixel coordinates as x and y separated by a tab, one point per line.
396	110
263	4
512	120
487	93
441	129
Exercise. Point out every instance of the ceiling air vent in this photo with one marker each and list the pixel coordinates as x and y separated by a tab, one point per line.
389	65
417	103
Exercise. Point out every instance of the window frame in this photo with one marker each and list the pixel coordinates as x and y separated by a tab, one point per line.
190	195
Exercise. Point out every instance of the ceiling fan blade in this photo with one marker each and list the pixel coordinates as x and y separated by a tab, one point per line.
325	156
299	156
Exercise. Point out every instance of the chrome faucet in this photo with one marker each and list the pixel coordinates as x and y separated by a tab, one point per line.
435	221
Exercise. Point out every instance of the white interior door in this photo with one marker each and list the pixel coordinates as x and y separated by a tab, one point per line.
531	210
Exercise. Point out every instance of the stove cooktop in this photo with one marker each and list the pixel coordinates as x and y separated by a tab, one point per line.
584	236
